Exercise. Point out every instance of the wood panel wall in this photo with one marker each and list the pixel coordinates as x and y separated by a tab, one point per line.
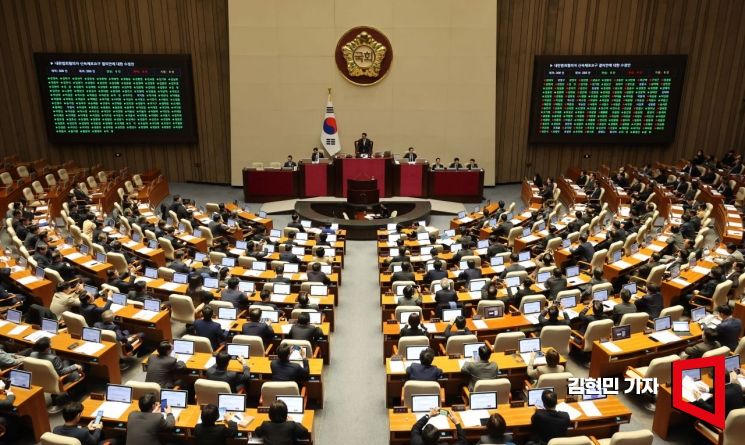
196	27
712	110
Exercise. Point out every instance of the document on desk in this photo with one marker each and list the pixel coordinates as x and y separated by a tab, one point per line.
529	238
73	256
681	282
145	251
3	323
397	367
17	330
465	220
145	315
209	363
573	413
480	324
664	337
28	279
655	247
612	347
35	336
461	362
472	418
621	264
430	327
590	409
277	298
527	264
116	307
640	256
91	263
295	417
169	286
734	232
286	328
130	244
251	273
113	410
702	270
89	348
186	237
441	422
721	251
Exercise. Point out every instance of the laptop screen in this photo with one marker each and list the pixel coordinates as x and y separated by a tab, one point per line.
493	311
461	215
301	236
281	289
153	244
403	317
526	231
424	236
694	373
530	345
118	393
231	402
262	214
424	403
185	347
84	249
315	317
211	283
174	398
329	252
227	313
674	271
319	290
681	326
152	305
305	223
151	272
572	271
291	268
566	242
300	251
455	247
532	307
698	313
662	323
476	285
180	278
513	281
471	350
272	316
49	325
524	255
631	287
294	403
258	265
568	302
616	256
101	257
199	256
246	286
543	276
92	335
237	350
275	233
197	233
496	261
534	396
413	352
20	379
732	363
483	400
13	316
91	290
228	262
391	227
600	295
621	332
241	245
483	244
39	272
450	314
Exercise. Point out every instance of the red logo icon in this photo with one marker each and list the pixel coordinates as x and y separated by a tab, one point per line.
717	417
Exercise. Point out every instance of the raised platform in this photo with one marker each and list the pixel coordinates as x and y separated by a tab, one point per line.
438	206
325	212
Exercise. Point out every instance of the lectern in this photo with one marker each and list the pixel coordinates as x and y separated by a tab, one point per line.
362	191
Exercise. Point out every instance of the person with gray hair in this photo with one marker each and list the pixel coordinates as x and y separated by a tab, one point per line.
446	298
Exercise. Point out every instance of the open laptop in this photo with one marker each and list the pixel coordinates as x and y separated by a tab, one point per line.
258	265
694	374
152	273
732	362
413	353
236	350
617	255
13	316
176	399
662	323
182	349
319	290
496	261
471	350
568	303
291	268
682	328
270	316
49	325
228	262
246	286
423	403
513	281
180	278
151	304
631	287
603	296
118	393
281	289
226	316
295	406
494	311
572	273
449	315
403	316
234	403
531	311
199	256
621	332
316	318
92	335
535	396
528	345
482	400
477	284
20	379
541	278
211	283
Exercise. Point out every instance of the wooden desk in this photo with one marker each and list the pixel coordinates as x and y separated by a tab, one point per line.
530	194
250	217
153	256
156	329
282	330
325	305
97	271
636	351
42	289
32	408
614	413
103	364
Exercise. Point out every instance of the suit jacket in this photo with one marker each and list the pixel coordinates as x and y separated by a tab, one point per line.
306	332
363	146
584	251
259	329
229	377
289	257
318	277
81	433
470	274
143	428
290	372
210	329
57	363
234	296
513	267
434	275
417	371
651	304
179	266
555	285
411	157
403	276
315	157
620	309
479	370
281	433
215	434
729	332
449	331
416	433
547	425
160	370
699	349
443	298
408	331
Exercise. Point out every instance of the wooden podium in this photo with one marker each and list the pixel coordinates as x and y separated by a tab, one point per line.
362	191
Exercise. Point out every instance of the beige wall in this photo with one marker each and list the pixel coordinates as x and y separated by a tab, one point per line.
439	95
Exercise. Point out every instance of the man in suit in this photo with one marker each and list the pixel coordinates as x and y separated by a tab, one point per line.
456	164
471	273
687	228
472	165
728	330
234	295
210	329
287	255
410	156
303	330
424	370
555	284
585	250
209	432
295	223
460	327
733	398
315	275
548	423
437	165
90	435
316	155
404	275
279	430
436	273
363	146
652	302
219	372
550	316
514	266
289	163
503	227
482	369
495	247
283	370
145	426
178	207
178	264
625	307
425	433
162	367
446	298
63	269
699	349
413	327
652	262
465	250
256	327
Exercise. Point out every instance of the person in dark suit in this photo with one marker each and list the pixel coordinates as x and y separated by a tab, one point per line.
460	327
65	271
295	223
234	295
728	330
303	330
514	266
178	207
161	368
410	156
42	350
699	349
91	311
651	303
289	163
471	273
584	251
210	329
404	275
652	262
219	372
547	423
315	275
598	313
413	327
446	298
456	164
287	255
437	165
550	316
90	435
178	264
283	370
472	165
555	284
145	426
278	430
424	433
424	370
316	155
258	328
209	432
436	273
363	146
733	398
624	307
